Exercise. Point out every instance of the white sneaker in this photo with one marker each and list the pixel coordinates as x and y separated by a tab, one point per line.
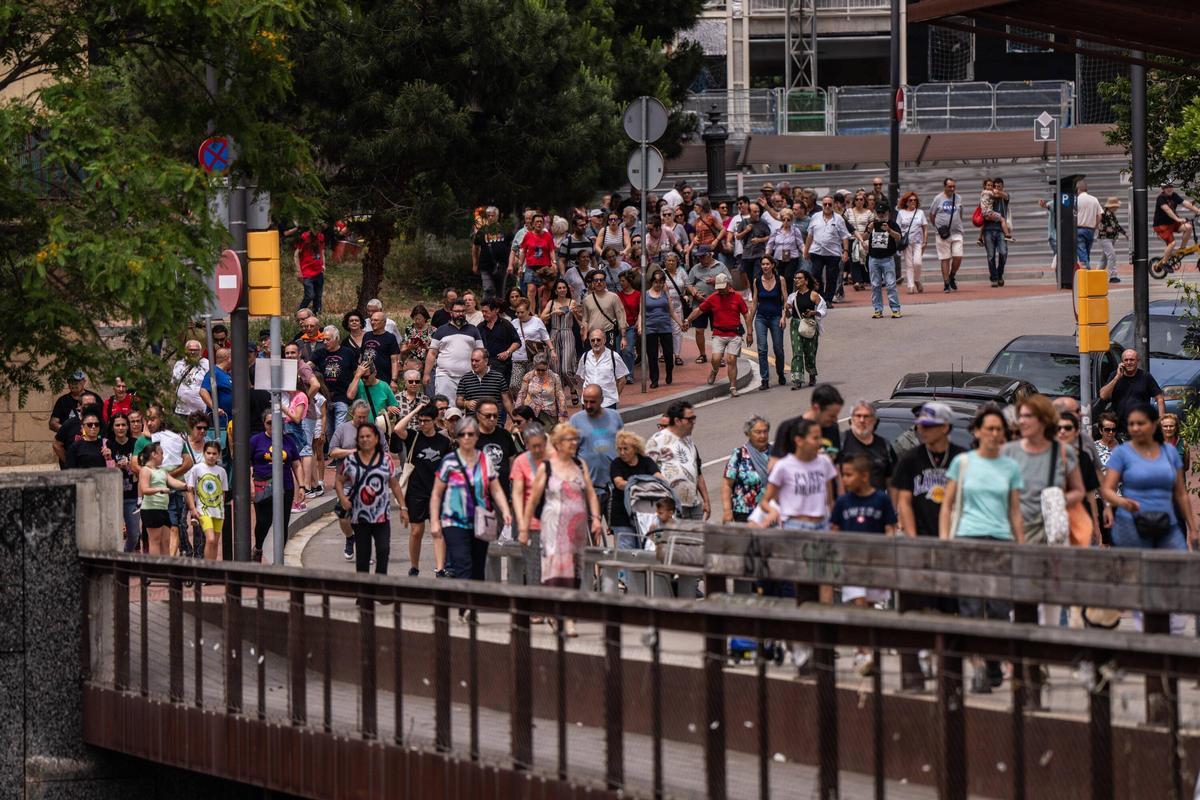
864	664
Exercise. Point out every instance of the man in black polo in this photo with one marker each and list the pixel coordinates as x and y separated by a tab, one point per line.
499	338
1131	387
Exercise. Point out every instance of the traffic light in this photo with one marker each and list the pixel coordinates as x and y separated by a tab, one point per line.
1091	287
262	275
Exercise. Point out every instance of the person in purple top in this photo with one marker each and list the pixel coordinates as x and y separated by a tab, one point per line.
261	453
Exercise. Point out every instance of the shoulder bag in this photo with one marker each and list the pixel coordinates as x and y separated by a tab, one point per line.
805	326
943	231
685	304
406	471
903	245
533	348
486	529
1055	521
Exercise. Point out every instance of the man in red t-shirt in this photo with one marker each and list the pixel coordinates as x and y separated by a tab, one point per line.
537	258
729	317
309	258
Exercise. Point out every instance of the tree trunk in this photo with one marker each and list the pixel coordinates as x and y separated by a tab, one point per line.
379	244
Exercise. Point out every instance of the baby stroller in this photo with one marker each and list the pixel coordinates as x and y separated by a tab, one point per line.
642	493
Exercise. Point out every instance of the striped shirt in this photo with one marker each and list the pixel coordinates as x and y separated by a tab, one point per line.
488	386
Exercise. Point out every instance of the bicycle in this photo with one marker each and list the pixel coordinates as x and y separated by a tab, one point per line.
1161	268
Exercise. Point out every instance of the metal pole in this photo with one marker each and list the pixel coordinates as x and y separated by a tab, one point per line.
212	373
894	139
787	47
278	533
1085	392
1141	272
239	334
1063	247
645	233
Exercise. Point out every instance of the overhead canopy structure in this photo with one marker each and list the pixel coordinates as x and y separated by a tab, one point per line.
1161	33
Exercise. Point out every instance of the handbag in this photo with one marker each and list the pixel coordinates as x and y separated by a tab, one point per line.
904	239
1152	525
486	529
1055	521
406	470
977	217
943	231
806	327
684	303
533	348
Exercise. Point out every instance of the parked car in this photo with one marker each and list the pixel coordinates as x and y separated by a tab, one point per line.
896	416
1174	351
980	387
1051	363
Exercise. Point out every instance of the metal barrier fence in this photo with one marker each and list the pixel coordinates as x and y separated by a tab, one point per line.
821	6
932	107
329	684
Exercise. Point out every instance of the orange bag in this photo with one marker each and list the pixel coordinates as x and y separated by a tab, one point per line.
1081	525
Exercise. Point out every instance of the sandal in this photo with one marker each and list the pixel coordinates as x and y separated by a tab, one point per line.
678	362
701	359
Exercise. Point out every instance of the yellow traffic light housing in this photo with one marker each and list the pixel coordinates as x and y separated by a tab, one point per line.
262	274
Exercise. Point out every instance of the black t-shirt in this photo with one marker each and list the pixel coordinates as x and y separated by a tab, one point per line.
440	318
831	437
382	347
82	454
917	473
883	459
881	244
123	454
500	448
499	337
619	469
428	454
1131	392
65	408
260	401
337	368
1160	217
494	247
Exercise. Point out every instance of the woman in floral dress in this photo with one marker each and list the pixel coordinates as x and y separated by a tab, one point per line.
561	315
746	471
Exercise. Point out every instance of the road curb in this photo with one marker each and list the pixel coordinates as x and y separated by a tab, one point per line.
304	526
653	408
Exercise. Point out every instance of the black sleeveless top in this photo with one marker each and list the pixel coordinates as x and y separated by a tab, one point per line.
803	302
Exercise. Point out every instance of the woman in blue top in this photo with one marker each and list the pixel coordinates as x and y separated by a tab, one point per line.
987	505
768	292
1150	476
659	319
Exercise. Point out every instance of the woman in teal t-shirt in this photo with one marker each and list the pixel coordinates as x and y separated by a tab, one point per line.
988	505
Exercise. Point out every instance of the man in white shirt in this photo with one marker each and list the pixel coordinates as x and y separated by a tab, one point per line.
674	198
375	304
603	367
827	247
1087	219
186	376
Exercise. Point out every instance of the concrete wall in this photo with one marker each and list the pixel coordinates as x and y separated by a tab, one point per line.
45	519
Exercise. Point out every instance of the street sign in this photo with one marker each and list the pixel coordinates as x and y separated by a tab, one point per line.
228	281
215	155
900	104
654	169
1045	128
656	120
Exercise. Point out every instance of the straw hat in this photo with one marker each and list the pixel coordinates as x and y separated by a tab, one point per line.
1112	202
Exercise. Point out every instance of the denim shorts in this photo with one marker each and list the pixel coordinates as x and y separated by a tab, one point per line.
300	436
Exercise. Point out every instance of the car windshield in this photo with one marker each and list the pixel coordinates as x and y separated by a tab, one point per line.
890	428
1051	373
1170	337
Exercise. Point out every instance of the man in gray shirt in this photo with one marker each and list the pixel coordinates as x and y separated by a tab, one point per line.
945	216
701	282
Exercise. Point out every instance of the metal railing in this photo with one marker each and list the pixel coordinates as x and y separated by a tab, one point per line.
250	666
932	107
820	6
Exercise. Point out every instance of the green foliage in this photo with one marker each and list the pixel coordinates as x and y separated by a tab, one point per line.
1189	424
1172	125
105	239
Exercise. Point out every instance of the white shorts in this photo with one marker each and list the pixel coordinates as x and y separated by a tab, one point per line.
873	596
948	248
727	346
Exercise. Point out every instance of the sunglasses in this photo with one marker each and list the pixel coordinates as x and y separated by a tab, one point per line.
1066	428
488	416
200	427
826	205
1108	430
465	434
692	418
91	425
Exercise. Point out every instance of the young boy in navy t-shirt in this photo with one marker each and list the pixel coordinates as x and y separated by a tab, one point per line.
862	509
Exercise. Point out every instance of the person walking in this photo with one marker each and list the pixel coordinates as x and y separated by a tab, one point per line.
882	241
1070	436
785	245
598	427
600	366
658	322
827	247
911	220
562	315
426	447
464	484
570	516
1043	462
948	224
768	291
983	503
262	453
805	309
746	471
801	485
362	489
630	462
673	449
154	485
730	317
859	218
995	234
1087	219
524	468
701	284
861	440
542	391
1108	232
309	260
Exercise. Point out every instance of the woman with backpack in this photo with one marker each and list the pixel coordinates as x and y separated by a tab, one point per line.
767	295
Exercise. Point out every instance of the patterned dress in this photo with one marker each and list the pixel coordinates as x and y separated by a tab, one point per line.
748	483
565	358
564	529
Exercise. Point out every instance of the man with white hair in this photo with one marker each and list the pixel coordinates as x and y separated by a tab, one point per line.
335	364
186	376
389	325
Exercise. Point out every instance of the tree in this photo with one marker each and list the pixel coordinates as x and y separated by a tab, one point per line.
1172	125
105	238
422	109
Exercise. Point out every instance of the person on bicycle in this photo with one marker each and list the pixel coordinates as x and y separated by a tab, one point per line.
1167	222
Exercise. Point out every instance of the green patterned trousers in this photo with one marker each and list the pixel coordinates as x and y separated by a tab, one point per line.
804	353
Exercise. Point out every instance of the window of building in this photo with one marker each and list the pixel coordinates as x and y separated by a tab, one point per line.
1027	47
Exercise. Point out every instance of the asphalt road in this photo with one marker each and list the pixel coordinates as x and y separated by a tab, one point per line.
864	358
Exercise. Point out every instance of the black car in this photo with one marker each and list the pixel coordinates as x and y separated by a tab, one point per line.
896	416
978	387
1051	363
